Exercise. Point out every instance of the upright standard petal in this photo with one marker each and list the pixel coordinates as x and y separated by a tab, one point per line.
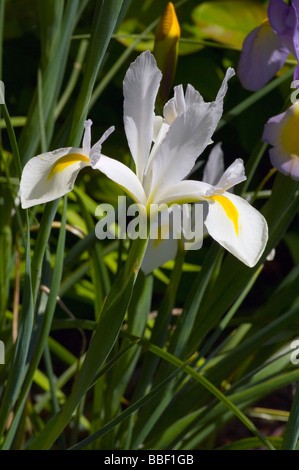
51	175
141	86
237	226
263	54
188	136
214	167
180	102
281	132
185	140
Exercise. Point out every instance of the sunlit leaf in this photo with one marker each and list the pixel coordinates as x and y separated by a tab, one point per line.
230	21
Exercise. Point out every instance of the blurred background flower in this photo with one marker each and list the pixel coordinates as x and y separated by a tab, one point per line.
268	46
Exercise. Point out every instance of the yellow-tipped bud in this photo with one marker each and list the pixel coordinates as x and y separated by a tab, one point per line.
168	25
166	48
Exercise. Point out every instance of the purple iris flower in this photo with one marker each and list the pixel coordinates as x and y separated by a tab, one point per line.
281	132
267	47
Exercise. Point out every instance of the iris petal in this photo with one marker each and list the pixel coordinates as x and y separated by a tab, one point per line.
263	54
188	136
248	243
284	20
281	131
141	86
51	175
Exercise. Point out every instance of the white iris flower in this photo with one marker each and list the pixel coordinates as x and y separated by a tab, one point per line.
165	150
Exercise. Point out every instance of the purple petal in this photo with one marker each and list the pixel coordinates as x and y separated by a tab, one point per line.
272	129
281	132
296	74
284	20
295	169
283	162
263	54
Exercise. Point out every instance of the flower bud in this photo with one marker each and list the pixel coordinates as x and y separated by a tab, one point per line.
166	49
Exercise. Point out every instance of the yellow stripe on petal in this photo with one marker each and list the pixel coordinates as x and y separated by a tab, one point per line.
229	209
65	162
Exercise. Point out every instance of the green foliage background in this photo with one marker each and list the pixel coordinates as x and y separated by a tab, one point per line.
96	354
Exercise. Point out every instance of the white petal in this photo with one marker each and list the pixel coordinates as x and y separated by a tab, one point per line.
156	256
159	250
193	228
187	137
214	167
233	175
217	105
223	89
87	136
180	103
147	178
183	192
51	175
243	231
95	152
175	106
123	176
193	97
141	86
169	111
158	122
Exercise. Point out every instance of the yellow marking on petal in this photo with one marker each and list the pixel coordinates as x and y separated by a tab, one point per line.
168	25
65	162
290	135
265	22
229	209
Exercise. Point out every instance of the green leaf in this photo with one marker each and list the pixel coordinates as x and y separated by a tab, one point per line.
18	368
52	78
229	22
292	430
103	340
45	328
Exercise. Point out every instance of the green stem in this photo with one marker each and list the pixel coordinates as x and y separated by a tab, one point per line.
262	184
161	326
